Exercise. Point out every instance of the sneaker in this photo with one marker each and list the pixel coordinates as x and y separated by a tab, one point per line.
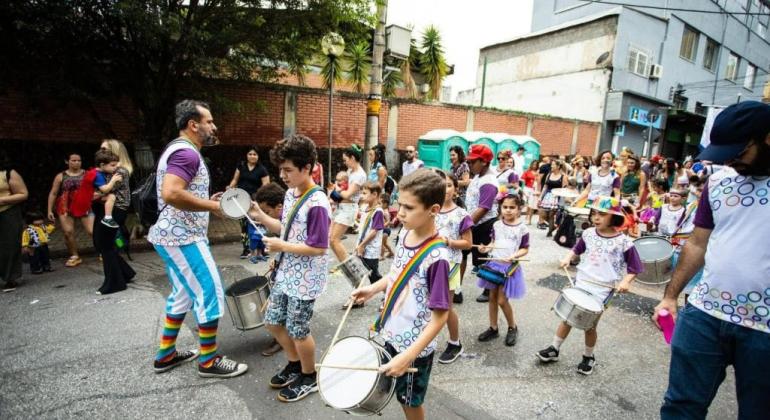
272	348
483	297
586	367
110	223
10	286
511	335
179	358
48	269
542	226
451	353
548	354
475	270
254	259
299	389
549	234
245	254
284	378
489	334
458	298
222	368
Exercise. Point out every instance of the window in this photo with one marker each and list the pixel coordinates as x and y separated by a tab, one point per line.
731	72
689	47
710	55
751	73
638	61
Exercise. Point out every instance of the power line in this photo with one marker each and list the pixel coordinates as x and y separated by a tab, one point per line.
677	9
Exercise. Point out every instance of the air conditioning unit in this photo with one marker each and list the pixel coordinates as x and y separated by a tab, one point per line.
656	70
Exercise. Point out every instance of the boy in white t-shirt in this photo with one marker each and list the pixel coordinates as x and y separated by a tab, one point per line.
302	264
418	302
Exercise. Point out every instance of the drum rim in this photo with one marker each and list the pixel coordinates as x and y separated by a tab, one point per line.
657	238
374	345
566	297
235	192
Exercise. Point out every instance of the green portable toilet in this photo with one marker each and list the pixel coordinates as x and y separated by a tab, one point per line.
531	148
504	142
433	147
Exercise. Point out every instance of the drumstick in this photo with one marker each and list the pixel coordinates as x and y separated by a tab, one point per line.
595	283
569	277
351	302
504	259
490	247
245	214
347	367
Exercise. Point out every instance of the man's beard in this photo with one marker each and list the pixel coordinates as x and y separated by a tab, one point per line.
761	164
210	140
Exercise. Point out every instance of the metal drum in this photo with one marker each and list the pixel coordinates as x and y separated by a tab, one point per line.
246	299
578	308
357	392
354	270
581	218
655	253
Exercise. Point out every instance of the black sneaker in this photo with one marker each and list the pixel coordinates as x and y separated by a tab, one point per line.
299	389
222	368
457	298
483	297
110	223
245	254
489	334
586	367
542	226
548	354
179	358
451	353
511	335
474	270
284	378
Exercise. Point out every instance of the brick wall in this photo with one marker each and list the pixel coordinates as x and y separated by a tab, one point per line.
259	121
416	119
587	135
555	136
499	122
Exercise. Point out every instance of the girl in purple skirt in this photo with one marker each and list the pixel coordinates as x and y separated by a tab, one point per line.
510	241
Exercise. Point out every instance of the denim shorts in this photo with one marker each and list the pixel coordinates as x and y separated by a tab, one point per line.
412	387
292	313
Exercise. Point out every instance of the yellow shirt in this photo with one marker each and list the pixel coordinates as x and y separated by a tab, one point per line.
34	236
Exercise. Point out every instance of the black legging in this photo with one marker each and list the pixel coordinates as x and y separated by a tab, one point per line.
117	272
482	235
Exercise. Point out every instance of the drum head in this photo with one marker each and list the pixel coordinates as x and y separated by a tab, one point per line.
563	192
578	211
583	299
234	203
653	248
343	388
247	285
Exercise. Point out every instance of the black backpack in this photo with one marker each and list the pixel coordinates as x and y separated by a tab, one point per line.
565	234
144	198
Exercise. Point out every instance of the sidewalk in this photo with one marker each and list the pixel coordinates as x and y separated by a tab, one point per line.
220	230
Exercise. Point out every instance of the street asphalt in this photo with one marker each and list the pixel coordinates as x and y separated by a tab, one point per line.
73	354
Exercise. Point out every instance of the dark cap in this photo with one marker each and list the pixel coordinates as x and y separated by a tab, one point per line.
734	128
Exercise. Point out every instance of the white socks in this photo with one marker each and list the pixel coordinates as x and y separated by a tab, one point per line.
557	342
589	352
454	343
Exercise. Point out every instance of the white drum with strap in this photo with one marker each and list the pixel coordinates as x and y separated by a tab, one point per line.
578	308
655	253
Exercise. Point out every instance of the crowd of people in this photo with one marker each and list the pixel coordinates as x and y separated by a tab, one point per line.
710	207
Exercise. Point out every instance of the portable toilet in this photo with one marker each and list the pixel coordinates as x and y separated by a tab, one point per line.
433	147
531	148
451	142
504	142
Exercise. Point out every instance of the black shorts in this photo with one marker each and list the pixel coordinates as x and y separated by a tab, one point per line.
482	235
412	387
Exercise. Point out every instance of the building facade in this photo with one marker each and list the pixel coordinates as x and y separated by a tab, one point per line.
648	74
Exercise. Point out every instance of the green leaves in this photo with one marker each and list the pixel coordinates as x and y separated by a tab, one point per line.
359	62
432	61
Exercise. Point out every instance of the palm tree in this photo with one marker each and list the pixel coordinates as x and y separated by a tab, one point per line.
299	70
432	61
390	82
331	62
407	67
359	64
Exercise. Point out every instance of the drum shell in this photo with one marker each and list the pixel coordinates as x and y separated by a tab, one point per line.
246	307
354	270
575	315
656	271
380	394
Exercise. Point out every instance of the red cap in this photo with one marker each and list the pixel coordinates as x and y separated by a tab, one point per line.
480	151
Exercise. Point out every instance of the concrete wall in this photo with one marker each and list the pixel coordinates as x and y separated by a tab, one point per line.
555	74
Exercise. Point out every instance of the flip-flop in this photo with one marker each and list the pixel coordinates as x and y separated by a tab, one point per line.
73	261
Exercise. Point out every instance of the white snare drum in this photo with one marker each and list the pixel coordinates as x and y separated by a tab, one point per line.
578	308
581	218
565	193
357	392
354	270
655	253
235	203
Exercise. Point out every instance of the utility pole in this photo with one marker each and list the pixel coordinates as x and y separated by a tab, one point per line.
374	101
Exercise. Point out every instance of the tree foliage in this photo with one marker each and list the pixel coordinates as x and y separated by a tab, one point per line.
432	61
152	52
359	61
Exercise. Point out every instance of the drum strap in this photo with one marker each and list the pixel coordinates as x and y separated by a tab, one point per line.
367	222
403	279
292	215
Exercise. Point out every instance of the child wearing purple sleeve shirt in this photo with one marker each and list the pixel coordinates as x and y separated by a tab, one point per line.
410	326
370	238
607	257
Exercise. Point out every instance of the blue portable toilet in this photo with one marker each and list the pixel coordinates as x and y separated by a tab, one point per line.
433	147
504	142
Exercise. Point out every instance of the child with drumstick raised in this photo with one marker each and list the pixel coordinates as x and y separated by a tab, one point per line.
503	276
454	225
301	265
608	264
417	289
